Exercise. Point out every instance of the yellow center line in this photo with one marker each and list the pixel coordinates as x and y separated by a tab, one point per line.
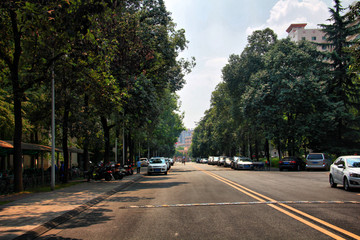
252	194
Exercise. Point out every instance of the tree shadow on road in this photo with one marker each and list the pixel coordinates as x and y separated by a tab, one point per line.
54	237
93	217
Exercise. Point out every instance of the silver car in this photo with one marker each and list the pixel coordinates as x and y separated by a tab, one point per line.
243	163
318	161
345	171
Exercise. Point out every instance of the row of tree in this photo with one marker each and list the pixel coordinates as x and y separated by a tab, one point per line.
288	94
115	68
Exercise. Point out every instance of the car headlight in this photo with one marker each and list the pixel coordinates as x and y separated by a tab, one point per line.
356	175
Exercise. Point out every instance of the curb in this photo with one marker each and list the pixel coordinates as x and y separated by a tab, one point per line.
40	230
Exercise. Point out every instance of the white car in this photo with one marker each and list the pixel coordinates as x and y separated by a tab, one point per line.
157	165
345	171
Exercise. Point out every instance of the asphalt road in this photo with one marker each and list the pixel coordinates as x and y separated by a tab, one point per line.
196	201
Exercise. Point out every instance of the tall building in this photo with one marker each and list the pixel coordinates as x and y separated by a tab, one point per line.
297	32
185	138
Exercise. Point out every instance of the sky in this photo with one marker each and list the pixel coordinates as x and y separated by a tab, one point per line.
216	29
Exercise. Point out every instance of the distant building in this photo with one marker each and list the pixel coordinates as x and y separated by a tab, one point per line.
185	139
297	32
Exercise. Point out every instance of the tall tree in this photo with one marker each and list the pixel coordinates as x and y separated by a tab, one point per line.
341	87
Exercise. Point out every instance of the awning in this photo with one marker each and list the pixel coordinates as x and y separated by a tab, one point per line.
32	148
27	148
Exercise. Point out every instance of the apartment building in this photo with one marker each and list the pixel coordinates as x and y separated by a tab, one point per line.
297	32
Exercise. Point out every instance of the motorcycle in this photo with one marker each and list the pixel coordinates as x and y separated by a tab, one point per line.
103	172
129	169
117	171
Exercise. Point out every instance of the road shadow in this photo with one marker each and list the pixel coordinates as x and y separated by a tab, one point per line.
93	217
126	199
54	237
157	185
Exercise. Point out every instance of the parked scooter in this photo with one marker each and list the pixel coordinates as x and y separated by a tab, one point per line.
117	171
128	169
103	172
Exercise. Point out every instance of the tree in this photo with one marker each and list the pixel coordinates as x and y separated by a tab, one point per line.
288	96
341	87
237	76
20	32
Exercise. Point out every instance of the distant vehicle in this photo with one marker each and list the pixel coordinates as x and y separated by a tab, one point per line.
221	161
215	161
228	161
232	165
345	171
243	163
144	162
211	160
291	163
157	165
204	160
167	160
318	161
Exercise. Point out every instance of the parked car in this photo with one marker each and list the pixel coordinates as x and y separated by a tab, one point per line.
318	161
215	161
157	165
167	160
232	164
345	171
204	160
221	161
227	162
144	162
291	163
243	163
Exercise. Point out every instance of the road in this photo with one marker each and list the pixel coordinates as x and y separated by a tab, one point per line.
197	201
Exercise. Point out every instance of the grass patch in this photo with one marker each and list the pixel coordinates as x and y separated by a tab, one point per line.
4	202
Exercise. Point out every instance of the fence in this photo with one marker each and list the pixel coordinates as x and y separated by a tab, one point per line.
34	178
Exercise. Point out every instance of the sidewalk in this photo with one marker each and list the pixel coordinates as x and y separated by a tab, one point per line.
33	215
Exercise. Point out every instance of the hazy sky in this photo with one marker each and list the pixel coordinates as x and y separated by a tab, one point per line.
218	28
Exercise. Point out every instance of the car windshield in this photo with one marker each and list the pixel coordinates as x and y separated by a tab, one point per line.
353	162
314	156
245	159
156	160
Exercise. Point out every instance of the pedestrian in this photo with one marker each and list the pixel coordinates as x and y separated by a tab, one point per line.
138	164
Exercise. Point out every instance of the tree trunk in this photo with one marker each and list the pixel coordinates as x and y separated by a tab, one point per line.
86	140
106	139
18	94
279	149
65	142
267	150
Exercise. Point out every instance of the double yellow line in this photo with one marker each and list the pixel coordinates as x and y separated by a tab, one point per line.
262	198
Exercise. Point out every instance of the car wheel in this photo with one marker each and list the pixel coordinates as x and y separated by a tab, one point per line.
280	169
166	173
332	183
346	185
298	168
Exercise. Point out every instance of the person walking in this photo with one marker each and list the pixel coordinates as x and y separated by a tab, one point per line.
138	164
